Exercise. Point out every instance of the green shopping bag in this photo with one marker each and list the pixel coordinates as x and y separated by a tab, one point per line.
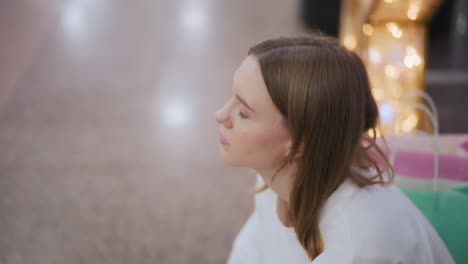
448	213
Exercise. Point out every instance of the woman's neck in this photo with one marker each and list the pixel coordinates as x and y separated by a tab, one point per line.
282	182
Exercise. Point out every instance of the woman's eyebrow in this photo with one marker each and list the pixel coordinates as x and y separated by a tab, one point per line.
244	103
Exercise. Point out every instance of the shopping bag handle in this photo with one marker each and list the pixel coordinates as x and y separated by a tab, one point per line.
431	112
430	102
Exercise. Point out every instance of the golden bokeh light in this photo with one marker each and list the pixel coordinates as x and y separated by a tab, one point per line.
391	39
367	29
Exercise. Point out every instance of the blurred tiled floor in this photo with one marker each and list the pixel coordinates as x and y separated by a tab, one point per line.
108	142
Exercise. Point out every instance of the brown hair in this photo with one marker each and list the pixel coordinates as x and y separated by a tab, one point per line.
323	92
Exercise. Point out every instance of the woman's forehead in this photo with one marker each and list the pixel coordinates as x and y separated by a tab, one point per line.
249	69
249	84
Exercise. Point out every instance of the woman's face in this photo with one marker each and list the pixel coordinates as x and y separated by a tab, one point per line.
250	123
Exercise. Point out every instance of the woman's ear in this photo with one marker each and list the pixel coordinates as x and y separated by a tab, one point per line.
299	151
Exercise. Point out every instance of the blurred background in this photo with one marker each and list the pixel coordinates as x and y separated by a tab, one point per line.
109	149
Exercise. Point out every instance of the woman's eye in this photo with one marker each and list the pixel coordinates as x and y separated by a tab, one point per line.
242	115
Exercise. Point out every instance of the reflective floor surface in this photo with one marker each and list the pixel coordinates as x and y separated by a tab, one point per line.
109	150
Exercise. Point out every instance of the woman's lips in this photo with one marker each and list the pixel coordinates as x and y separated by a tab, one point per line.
222	140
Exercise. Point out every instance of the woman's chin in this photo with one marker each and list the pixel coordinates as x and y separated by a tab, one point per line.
227	159
229	162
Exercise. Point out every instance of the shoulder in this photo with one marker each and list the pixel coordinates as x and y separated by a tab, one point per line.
379	208
377	223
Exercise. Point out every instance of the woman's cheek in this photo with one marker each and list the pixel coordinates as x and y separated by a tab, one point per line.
259	143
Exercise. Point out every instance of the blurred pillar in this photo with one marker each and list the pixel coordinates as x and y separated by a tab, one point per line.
353	16
390	36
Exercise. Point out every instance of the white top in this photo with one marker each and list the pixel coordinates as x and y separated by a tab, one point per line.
376	224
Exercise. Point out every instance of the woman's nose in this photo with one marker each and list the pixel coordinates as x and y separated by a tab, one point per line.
222	115
219	116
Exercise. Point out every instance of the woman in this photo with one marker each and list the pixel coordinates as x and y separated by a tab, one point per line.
299	115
